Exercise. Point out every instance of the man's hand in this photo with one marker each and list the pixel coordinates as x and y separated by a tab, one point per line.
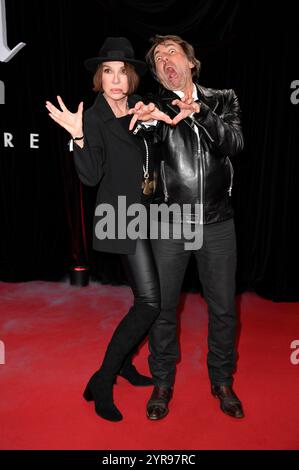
147	112
187	107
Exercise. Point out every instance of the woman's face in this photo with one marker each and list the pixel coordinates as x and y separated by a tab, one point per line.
115	80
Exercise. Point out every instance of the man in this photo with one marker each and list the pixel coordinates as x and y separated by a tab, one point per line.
195	169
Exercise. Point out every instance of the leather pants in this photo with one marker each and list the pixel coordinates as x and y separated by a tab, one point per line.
142	274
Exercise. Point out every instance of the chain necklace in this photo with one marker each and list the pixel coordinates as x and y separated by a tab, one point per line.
147	185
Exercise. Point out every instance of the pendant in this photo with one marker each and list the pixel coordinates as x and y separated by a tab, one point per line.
147	186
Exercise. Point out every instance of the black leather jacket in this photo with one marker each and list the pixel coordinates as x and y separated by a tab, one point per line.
195	167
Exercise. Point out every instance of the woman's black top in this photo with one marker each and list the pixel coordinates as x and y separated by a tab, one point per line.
138	140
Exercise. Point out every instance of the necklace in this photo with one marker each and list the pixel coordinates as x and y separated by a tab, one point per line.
147	185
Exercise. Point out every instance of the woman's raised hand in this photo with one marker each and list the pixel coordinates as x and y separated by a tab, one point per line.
72	122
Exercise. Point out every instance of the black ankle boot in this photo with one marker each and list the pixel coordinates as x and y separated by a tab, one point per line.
100	390
130	373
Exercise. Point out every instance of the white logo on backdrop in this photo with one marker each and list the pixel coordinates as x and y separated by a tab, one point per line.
2	92
6	54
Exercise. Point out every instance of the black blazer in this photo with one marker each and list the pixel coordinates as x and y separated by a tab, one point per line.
111	158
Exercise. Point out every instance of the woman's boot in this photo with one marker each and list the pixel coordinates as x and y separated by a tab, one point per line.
129	372
127	336
99	389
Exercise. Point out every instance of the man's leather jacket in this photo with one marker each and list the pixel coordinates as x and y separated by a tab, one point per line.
195	166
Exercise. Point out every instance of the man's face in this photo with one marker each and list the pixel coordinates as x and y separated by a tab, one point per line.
173	68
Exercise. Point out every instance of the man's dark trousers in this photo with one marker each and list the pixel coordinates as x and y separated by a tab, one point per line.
216	262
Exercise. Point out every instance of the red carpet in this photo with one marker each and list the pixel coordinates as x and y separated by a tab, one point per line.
55	335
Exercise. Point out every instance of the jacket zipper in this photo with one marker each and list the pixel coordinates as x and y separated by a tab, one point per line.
231	176
201	176
201	168
166	196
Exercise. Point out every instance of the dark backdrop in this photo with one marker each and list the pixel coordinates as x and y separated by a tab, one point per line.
45	213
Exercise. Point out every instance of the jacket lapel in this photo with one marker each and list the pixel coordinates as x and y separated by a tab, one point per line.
207	97
204	95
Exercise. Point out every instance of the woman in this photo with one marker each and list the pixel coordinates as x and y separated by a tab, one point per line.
106	152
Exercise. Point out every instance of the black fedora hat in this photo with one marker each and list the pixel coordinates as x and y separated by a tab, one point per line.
116	49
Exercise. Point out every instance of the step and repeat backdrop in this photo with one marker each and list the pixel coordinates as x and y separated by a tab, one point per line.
45	214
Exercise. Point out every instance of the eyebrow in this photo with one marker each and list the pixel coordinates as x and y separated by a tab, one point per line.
168	44
111	68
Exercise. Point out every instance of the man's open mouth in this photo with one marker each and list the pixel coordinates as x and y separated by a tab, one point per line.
170	71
